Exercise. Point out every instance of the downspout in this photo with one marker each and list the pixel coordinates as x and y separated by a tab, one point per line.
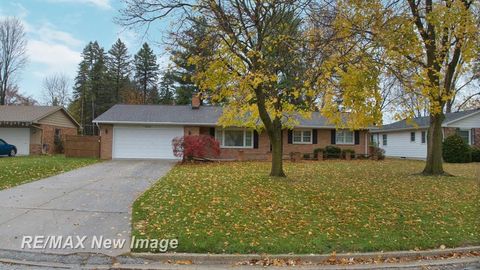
366	142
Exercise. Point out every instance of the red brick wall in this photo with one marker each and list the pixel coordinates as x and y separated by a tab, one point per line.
476	136
106	134
263	150
48	138
35	149
449	131
191	130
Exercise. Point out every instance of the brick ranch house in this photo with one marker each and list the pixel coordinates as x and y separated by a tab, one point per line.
146	131
33	129
404	139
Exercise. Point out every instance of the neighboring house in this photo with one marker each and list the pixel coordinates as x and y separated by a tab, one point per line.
409	140
33	129
146	131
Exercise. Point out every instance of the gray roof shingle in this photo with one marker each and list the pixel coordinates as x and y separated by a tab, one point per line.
181	114
423	122
30	114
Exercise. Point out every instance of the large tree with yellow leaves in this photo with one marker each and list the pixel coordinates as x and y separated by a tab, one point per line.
431	40
275	61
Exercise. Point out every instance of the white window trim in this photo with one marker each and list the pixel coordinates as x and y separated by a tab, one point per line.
385	141
421	135
302	141
222	142
345	143
414	137
469	135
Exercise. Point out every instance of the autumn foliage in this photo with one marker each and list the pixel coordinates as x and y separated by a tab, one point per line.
198	146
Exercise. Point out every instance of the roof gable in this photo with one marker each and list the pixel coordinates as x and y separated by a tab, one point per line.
30	114
424	122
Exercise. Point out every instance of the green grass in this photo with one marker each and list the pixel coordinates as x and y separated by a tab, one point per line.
20	170
321	207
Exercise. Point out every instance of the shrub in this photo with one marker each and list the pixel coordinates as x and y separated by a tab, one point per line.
475	154
306	156
333	151
346	152
456	150
316	151
377	152
195	146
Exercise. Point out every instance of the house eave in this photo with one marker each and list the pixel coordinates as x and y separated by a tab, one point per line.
446	124
153	123
188	124
15	124
398	129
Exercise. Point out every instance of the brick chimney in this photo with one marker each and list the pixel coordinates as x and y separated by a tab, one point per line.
196	101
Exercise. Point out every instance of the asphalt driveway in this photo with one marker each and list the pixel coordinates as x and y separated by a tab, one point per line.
92	202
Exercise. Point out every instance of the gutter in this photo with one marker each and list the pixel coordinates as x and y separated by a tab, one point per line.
191	124
398	129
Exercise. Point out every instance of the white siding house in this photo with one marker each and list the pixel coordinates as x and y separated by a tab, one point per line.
404	140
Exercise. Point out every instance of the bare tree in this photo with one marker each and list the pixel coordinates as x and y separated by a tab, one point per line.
14	97
56	90
13	52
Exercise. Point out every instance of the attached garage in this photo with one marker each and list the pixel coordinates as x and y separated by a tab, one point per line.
144	142
20	137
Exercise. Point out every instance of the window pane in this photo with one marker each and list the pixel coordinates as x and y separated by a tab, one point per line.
297	136
464	134
233	137
307	136
412	136
424	136
248	138
340	137
218	135
348	136
384	137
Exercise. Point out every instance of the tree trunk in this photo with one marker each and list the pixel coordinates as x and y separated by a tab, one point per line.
434	165
277	151
448	106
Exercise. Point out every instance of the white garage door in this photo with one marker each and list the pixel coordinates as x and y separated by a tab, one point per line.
144	142
20	137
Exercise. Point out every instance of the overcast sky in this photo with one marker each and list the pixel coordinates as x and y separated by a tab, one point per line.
58	30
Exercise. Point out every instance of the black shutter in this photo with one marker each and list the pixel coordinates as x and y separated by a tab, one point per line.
290	135
333	136
255	139
357	137
314	136
212	131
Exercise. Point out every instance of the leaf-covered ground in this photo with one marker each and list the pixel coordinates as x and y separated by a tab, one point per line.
321	207
20	170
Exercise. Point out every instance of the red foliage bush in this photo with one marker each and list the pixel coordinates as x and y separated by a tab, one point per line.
199	146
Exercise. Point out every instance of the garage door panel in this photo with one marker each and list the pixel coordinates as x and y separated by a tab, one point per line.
141	142
20	137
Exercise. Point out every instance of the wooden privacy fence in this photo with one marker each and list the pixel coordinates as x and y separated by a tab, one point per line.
82	146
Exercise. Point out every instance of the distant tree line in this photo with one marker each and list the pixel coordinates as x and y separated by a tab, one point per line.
115	77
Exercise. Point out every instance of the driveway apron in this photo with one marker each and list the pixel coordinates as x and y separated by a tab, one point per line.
93	203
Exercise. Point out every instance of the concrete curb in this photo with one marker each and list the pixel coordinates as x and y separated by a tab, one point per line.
438	257
314	258
460	263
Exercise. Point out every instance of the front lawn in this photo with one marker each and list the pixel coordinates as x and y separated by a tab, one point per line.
20	170
321	207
